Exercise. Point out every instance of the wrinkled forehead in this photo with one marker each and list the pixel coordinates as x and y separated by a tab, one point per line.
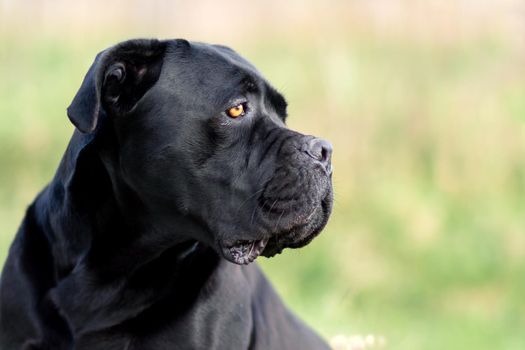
210	76
207	65
231	57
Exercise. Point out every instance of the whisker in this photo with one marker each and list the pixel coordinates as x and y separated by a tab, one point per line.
247	199
274	202
313	211
254	209
279	220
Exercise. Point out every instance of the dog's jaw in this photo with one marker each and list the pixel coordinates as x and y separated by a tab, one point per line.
243	252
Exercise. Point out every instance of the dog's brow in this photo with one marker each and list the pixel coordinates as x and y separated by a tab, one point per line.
243	84
277	101
249	84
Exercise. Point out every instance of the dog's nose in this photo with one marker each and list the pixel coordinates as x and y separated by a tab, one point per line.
320	150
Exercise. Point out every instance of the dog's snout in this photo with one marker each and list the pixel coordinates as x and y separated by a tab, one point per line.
321	151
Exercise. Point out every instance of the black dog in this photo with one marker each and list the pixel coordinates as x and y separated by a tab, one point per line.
180	171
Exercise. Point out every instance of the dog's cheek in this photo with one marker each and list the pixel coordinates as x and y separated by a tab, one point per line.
147	174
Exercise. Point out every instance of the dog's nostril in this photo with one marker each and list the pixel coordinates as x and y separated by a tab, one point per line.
320	150
324	153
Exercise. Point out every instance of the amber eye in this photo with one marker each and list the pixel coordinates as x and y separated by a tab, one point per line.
236	111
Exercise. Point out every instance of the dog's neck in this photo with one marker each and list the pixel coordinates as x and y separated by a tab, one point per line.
94	215
96	231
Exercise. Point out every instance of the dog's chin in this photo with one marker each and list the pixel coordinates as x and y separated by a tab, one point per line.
243	252
300	236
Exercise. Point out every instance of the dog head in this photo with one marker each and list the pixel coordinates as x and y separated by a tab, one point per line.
202	135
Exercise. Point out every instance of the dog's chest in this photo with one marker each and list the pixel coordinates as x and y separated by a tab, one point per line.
221	317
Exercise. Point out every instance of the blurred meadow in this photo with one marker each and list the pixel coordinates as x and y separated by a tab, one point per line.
424	102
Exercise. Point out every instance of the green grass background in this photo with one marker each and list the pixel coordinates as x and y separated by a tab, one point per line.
425	107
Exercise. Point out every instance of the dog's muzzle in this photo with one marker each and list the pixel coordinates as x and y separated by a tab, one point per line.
294	206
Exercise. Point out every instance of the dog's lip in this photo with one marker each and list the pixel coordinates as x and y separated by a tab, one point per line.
243	252
288	240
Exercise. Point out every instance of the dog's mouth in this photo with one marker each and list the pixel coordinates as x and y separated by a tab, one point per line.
244	252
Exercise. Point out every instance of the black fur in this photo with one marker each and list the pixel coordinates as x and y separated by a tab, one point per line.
138	241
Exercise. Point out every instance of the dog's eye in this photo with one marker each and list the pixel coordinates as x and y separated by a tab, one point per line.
236	111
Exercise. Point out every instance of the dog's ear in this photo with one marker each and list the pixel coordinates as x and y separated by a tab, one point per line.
116	81
84	110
